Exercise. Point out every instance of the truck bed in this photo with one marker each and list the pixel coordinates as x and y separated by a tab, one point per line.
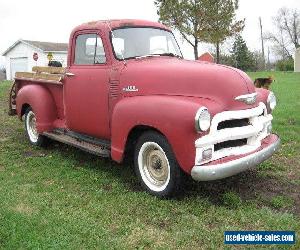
41	75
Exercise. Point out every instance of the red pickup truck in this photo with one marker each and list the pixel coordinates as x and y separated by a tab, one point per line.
127	91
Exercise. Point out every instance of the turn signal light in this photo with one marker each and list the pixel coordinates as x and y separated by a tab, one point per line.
207	154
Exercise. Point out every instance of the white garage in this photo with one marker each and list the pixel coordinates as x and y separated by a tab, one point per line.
18	64
19	57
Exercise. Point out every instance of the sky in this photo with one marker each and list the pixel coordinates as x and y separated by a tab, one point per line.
52	21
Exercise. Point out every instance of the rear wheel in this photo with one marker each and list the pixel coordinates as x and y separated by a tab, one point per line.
156	166
30	125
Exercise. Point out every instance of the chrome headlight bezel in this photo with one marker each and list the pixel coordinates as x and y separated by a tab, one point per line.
202	120
271	101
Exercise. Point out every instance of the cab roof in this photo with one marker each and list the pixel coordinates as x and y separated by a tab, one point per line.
119	23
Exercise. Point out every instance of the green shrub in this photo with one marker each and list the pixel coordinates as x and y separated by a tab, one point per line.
285	65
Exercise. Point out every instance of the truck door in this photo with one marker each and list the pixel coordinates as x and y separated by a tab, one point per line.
86	87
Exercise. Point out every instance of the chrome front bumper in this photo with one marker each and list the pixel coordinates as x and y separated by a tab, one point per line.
229	168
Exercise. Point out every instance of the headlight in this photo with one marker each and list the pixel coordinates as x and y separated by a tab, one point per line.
202	119
271	101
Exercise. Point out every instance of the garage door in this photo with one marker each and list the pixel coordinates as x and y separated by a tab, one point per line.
18	64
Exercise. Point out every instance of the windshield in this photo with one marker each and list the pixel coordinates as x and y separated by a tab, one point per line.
141	42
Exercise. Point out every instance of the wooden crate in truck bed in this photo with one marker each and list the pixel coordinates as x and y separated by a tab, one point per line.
53	75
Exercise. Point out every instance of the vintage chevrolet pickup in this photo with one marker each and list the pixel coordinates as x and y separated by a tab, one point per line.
127	91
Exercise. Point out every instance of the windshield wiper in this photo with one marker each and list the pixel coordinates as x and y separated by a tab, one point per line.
144	56
162	54
170	54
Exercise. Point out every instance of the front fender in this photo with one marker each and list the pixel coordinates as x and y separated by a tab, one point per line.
40	100
173	116
262	95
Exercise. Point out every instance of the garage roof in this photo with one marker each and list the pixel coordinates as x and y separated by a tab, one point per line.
43	46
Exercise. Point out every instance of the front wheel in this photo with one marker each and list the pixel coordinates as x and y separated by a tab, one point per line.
30	125
156	165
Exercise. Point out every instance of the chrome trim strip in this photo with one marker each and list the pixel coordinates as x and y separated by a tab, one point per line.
223	170
236	114
248	99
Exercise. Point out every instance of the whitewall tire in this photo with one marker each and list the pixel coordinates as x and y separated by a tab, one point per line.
156	166
30	125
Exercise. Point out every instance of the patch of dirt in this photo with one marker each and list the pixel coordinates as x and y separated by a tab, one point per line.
7	131
107	187
2	168
133	186
33	154
24	209
114	228
4	139
249	186
48	182
147	238
290	164
292	121
164	224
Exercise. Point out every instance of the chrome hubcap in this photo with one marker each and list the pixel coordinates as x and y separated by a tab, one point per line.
154	166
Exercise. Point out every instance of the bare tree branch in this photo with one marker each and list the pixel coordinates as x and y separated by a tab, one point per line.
285	38
186	38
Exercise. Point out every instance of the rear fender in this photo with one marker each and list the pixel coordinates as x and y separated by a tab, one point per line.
171	115
40	100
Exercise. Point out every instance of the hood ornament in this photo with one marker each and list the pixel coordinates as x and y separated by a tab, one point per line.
248	99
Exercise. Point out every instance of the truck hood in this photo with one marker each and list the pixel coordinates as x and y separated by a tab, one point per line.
178	77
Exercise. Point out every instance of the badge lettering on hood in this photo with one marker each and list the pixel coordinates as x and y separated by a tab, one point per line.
248	99
130	89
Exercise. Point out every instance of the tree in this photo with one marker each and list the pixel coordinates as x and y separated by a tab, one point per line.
221	22
201	20
285	65
286	37
243	58
262	43
185	16
259	63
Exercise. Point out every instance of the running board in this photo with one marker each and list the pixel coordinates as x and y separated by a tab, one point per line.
101	150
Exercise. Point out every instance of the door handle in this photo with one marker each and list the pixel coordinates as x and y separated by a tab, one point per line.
70	74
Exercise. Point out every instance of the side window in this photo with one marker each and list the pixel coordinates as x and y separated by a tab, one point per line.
89	50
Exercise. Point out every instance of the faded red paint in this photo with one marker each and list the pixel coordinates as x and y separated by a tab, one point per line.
170	92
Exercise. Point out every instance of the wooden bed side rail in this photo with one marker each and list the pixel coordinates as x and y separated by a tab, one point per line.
49	70
40	77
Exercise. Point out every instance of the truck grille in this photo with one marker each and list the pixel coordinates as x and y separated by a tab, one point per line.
230	144
233	123
234	133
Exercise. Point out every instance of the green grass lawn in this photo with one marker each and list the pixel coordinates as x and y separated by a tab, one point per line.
63	198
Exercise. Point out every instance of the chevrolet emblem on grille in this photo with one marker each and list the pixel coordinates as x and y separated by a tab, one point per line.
248	99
